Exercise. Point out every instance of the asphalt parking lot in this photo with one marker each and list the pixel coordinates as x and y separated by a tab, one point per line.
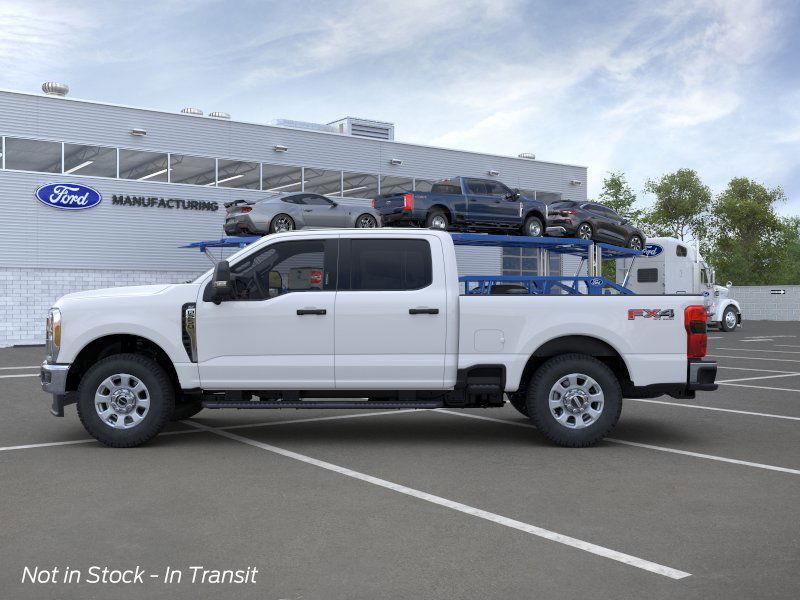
689	499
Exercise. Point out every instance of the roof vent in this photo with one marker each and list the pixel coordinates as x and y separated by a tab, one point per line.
527	155
192	111
377	130
219	115
51	88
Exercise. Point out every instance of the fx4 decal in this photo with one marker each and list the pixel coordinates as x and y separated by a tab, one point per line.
667	314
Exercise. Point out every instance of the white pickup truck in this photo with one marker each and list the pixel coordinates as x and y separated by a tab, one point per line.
363	319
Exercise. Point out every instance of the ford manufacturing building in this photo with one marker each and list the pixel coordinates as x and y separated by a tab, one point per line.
163	178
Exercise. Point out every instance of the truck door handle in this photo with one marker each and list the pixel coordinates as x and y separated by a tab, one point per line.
311	311
307	210
423	311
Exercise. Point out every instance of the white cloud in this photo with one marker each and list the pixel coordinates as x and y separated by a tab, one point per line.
38	37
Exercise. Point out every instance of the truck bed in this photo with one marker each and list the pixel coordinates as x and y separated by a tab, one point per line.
508	329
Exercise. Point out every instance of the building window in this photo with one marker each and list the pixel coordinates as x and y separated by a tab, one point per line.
195	170
96	161
33	155
237	174
359	185
321	181
396	185
143	166
280	178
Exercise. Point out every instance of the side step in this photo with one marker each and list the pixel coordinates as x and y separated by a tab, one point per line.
315	404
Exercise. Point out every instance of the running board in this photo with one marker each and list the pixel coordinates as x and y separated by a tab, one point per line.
325	404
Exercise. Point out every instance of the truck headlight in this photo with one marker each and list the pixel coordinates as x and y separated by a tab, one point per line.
53	330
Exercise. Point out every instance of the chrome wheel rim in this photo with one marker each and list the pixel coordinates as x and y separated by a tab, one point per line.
366	222
122	401
585	232
439	222
636	243
730	319
282	224
534	229
576	401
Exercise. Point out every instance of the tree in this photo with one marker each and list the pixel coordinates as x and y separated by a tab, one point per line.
681	205
618	195
751	244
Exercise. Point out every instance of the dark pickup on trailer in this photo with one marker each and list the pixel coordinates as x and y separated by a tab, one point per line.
465	203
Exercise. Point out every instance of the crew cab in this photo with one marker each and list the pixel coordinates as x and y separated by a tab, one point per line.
363	318
466	203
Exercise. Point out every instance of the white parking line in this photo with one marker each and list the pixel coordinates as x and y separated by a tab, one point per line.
713	408
761	377
15	368
640	445
754	358
21	375
787	345
225	427
761	387
759	370
627	559
758	350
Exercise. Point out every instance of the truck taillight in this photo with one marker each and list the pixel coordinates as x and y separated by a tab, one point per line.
694	319
374	201
408	201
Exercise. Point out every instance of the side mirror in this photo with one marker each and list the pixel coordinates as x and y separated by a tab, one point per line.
334	204
729	285
221	288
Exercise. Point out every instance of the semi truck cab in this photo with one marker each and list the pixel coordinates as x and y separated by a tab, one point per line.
670	266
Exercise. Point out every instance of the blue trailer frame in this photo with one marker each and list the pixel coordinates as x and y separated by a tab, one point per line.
595	284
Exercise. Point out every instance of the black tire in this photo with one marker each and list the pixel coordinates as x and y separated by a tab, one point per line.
362	220
724	323
158	386
435	216
519	400
583	229
533	224
636	242
547	377
279	219
186	410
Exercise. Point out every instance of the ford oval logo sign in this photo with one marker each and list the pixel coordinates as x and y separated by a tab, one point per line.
596	282
652	250
68	196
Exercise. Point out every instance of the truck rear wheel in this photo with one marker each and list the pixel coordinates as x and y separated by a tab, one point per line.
437	219
574	400
533	227
125	400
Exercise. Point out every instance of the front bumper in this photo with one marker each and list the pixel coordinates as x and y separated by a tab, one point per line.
53	378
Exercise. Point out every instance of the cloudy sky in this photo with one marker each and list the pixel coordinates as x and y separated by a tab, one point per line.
642	87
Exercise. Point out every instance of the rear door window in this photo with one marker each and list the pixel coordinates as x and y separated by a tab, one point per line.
477	187
390	264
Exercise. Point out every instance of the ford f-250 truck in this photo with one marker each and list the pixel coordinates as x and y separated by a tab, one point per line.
466	203
371	314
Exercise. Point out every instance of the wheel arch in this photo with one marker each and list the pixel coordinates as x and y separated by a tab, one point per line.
118	343
535	212
577	344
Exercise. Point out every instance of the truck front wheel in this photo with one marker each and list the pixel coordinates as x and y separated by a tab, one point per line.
574	400
729	319
125	400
